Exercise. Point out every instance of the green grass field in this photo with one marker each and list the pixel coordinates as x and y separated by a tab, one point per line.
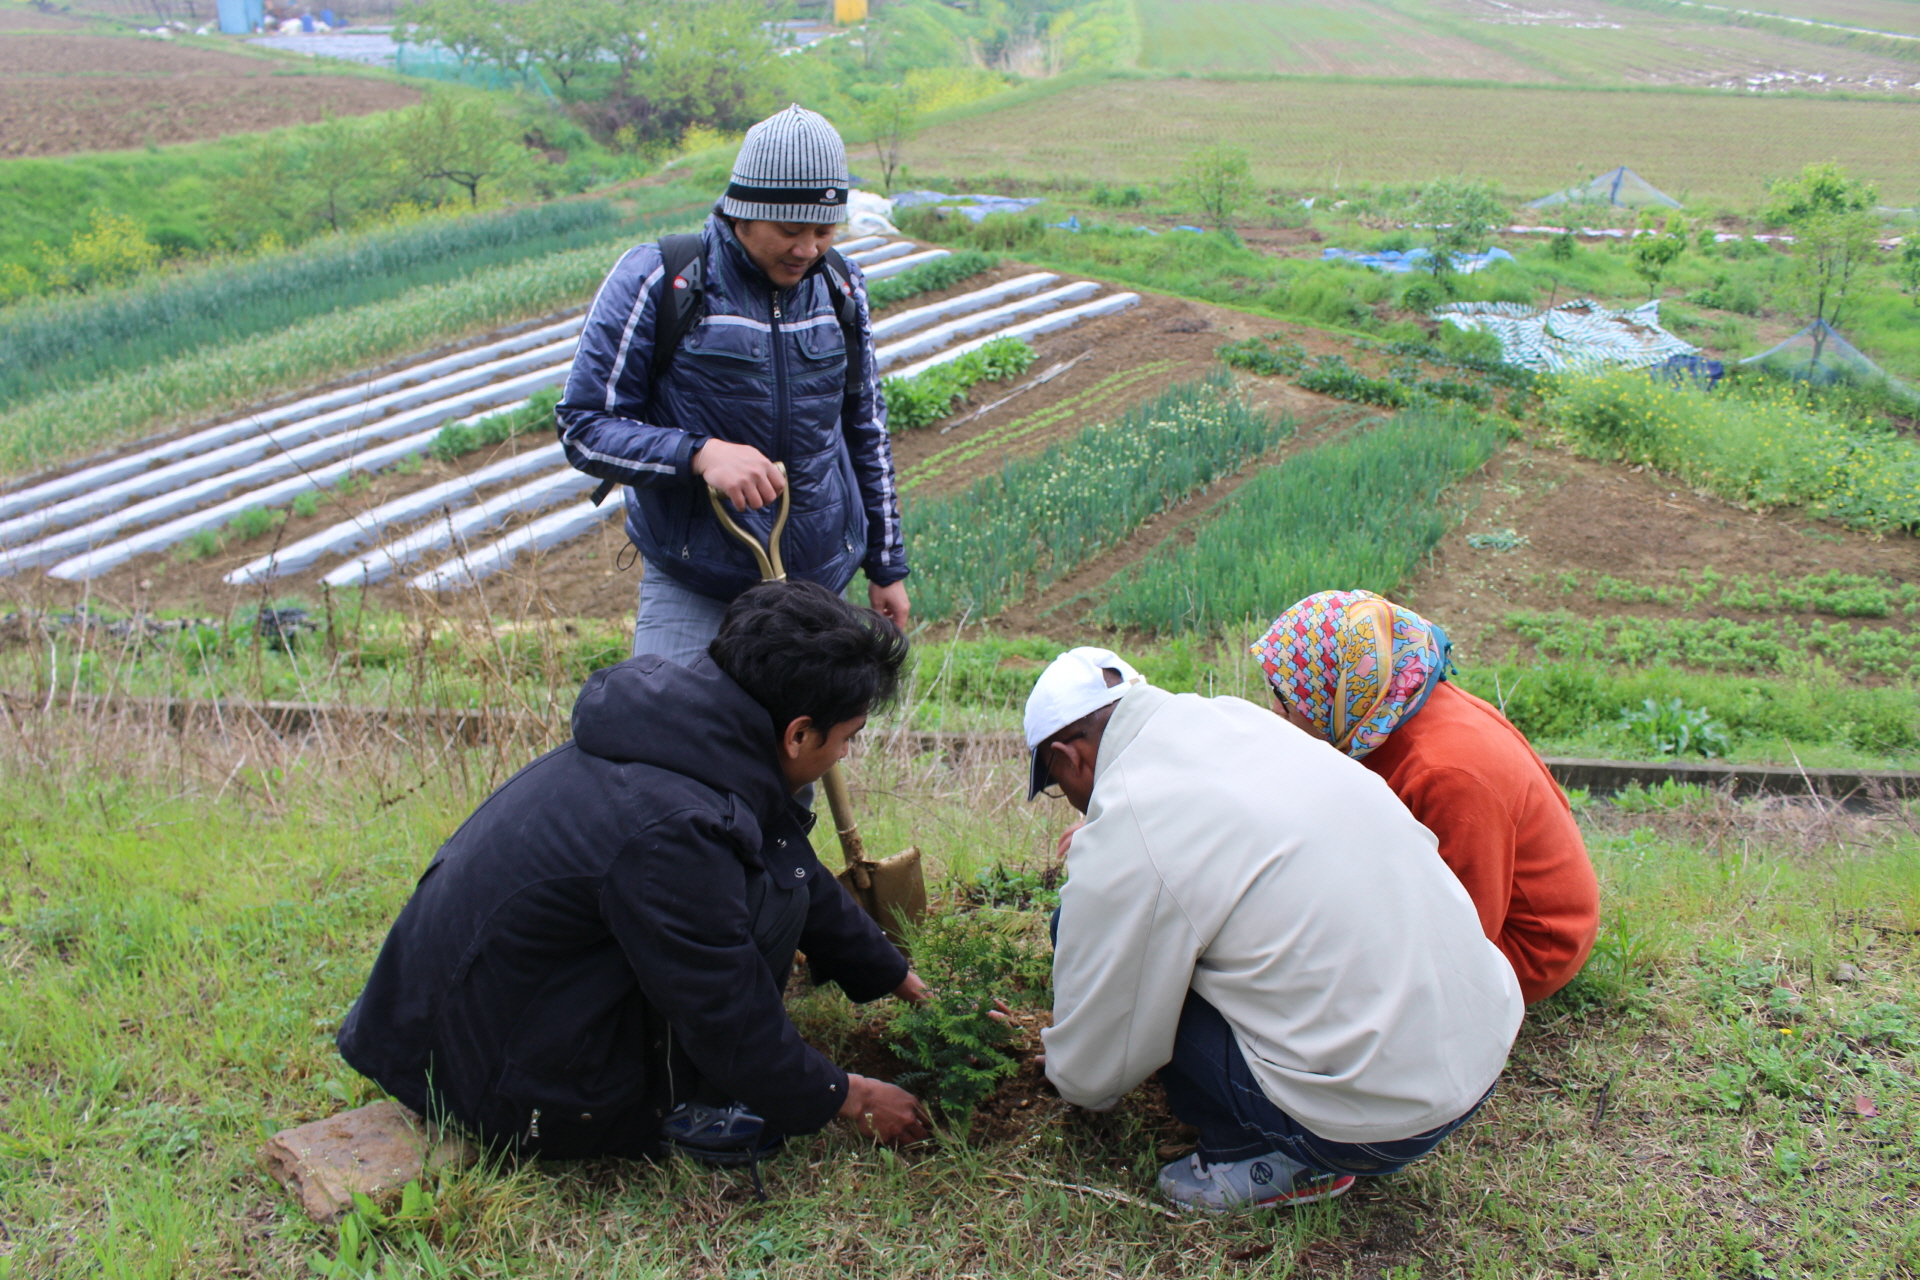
1317	135
182	925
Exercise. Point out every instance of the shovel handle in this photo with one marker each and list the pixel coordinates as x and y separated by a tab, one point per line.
767	557
851	846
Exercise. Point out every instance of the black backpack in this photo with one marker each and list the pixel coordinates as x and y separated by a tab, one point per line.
683	278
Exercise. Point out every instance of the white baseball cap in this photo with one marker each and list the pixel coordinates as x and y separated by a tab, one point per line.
1073	685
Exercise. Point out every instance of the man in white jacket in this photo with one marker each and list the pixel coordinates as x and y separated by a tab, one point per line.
1260	919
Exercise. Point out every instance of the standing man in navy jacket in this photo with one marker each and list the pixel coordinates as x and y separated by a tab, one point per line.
775	366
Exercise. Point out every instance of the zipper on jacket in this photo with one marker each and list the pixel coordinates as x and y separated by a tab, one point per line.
780	406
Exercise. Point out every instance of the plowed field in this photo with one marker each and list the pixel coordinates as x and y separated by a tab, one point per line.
66	91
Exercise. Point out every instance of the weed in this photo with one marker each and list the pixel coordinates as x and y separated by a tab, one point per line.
1671	728
456	440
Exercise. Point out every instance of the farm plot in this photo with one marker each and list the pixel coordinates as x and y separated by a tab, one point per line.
1317	134
1356	39
210	503
66	91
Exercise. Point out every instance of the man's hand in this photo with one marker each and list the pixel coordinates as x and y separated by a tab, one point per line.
890	601
913	991
1066	840
884	1112
741	472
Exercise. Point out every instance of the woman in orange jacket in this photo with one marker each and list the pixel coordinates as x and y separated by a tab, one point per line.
1370	677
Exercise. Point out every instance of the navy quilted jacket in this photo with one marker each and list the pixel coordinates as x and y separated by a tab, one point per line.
764	367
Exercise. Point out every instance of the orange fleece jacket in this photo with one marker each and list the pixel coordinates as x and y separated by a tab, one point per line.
1504	827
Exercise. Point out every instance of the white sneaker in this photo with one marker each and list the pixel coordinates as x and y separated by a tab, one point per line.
1264	1182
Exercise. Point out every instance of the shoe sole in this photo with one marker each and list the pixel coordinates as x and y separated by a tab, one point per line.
1309	1195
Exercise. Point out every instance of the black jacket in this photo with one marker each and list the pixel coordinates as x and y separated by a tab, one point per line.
582	945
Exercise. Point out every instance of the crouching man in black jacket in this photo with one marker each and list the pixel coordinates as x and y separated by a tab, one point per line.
599	951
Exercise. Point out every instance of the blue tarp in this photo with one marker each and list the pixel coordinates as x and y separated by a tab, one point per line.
975	207
1415	259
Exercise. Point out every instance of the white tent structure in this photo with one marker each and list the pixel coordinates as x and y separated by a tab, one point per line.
1621	188
1818	354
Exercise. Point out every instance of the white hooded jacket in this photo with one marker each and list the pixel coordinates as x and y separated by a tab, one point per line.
1227	851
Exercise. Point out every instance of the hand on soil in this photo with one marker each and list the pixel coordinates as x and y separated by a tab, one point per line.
913	991
741	472
884	1112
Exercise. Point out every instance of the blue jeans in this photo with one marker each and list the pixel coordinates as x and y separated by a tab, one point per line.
1210	1086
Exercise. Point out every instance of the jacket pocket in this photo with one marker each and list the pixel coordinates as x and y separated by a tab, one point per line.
729	346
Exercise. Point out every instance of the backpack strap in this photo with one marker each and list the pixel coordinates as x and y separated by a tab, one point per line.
676	306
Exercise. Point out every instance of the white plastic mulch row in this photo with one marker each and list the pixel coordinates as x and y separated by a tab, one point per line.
366	528
1109	305
995	318
457	525
434	401
100	539
398	390
897	265
960	305
548	531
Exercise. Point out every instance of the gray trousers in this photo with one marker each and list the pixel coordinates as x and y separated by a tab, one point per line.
679	624
672	621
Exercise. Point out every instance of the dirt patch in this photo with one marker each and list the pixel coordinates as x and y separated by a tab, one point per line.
22	20
1582	519
62	93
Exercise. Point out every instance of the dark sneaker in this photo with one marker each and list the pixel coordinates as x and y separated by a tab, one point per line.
726	1136
1271	1181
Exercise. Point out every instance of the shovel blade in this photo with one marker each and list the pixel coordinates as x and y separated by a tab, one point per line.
898	893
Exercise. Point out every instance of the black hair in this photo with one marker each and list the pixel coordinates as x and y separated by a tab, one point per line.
800	650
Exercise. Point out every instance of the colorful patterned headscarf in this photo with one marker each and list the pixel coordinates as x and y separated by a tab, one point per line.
1354	665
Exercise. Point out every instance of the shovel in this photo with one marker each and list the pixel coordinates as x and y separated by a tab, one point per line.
892	890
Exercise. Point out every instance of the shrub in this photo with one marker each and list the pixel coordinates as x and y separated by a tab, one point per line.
957	1049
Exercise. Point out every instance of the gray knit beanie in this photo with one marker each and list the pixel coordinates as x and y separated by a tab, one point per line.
792	168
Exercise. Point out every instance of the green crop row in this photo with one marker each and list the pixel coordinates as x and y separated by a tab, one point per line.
59	343
125	406
941	273
1360	512
1011	433
1041	517
1843	595
925	398
1761	445
1331	375
1720	644
536	414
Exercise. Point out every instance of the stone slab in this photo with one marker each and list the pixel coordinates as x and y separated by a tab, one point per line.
375	1150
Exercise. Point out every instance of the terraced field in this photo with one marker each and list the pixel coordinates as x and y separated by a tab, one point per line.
1317	135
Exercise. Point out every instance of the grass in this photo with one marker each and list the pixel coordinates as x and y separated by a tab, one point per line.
58	344
126	406
184	921
1762	445
1320	135
978	551
1359	512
